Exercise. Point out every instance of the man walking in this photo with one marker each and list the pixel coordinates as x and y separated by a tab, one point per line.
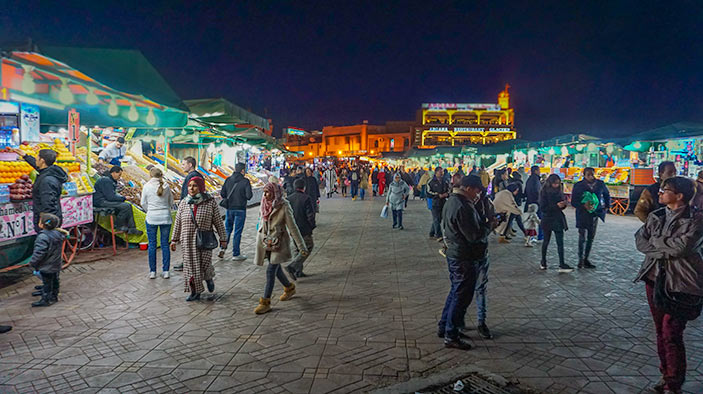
466	239
374	181
487	216
438	191
46	191
588	210
235	193
189	166
304	214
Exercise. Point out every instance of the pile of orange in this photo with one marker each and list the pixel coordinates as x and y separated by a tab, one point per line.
10	171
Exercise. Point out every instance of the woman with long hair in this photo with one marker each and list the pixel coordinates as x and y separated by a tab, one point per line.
276	227
198	211
552	202
157	201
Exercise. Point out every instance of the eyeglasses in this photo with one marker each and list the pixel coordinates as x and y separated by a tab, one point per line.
664	190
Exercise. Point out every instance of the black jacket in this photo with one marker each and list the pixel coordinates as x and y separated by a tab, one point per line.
312	188
584	219
106	190
303	212
465	232
532	187
46	257
374	177
288	184
236	192
184	188
436	188
46	191
552	216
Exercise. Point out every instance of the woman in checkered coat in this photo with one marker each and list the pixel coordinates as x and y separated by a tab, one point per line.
197	264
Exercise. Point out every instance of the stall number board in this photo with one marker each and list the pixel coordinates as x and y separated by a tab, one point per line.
16	219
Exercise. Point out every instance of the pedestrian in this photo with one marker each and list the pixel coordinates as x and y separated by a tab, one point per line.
197	213
697	202
189	167
531	221
672	270
422	183
364	183
235	193
649	201
113	152
588	213
552	203
381	182
500	181
485	177
354	181
465	237
276	228
330	181
294	174
48	185
408	179
344	181
487	215
105	196
398	190
46	257
374	181
312	188
304	215
438	190
533	185
157	201
505	205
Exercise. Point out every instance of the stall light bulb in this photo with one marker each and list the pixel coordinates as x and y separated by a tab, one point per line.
28	85
133	115
91	98
150	117
65	95
112	109
196	137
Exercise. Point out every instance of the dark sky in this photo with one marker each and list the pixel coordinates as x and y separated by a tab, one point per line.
606	68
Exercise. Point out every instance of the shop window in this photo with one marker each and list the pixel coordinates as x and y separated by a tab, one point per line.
375	144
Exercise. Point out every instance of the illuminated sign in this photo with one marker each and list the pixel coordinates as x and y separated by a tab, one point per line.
7	107
294	131
461	107
439	129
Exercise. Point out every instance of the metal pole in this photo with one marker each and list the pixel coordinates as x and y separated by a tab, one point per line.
87	152
166	144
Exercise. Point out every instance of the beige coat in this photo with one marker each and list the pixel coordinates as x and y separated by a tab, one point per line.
505	203
281	224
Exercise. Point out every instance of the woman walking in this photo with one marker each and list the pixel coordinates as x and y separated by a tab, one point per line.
276	227
552	202
672	270
198	211
381	182
364	183
157	201
398	191
344	181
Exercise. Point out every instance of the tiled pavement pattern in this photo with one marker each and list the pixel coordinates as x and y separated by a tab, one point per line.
365	318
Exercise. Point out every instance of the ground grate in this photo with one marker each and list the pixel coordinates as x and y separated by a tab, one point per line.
473	384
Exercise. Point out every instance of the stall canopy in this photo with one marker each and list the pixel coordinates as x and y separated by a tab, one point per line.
55	86
681	130
221	112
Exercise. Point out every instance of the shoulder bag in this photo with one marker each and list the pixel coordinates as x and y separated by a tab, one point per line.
224	202
680	305
271	242
204	239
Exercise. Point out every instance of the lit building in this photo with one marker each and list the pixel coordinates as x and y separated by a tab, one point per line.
465	124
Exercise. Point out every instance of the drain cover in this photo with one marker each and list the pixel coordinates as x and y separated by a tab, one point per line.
473	384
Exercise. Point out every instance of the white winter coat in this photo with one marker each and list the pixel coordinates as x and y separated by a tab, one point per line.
158	208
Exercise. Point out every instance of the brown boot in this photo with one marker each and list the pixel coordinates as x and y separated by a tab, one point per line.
288	292
264	306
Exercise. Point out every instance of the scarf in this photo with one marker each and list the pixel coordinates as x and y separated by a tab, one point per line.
268	206
200	197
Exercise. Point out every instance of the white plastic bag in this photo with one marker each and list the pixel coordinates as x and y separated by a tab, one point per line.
384	211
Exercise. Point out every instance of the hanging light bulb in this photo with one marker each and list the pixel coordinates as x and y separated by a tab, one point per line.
65	95
112	109
28	84
150	117
132	115
91	98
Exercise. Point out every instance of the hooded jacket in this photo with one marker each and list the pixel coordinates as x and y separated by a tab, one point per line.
186	181
106	190
46	191
465	233
236	192
532	187
46	257
673	238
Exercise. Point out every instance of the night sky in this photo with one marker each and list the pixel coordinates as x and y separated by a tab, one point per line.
574	67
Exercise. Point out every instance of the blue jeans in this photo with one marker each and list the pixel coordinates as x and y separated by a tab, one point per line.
235	220
165	230
274	271
354	188
397	217
362	193
436	229
462	274
481	284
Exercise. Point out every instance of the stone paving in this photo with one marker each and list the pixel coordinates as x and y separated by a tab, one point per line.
364	319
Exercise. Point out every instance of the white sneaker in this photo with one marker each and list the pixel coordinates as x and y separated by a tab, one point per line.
166	275
152	275
241	257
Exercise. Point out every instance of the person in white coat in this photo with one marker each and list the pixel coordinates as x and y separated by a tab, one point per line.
505	205
398	190
157	201
330	177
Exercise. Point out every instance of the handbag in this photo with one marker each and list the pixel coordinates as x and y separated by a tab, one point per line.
680	305
204	239
271	243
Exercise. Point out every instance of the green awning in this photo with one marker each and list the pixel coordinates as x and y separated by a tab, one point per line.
220	112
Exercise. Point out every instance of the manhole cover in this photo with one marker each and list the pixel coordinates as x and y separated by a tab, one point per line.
472	384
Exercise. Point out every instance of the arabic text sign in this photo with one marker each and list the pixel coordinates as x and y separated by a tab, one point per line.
16	218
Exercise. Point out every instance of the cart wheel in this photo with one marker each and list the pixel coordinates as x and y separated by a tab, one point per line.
70	246
619	206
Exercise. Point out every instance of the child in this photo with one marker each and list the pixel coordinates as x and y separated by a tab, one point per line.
531	221
46	257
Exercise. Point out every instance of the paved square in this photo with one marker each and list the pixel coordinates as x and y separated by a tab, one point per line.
365	318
